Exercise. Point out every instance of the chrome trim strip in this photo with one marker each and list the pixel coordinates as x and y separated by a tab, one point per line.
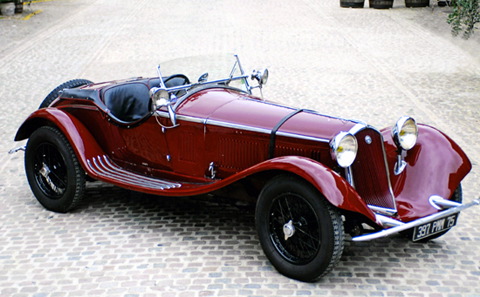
164	114
140	178
412	224
359	127
441	203
349	176
191	119
382	210
102	166
239	126
263	130
388	222
304	137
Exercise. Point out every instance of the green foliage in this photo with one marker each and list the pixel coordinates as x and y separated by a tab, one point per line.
465	16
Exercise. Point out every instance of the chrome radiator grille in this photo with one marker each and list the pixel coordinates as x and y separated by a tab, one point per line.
370	172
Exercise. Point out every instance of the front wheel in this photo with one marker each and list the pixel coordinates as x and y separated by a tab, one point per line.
55	176
300	232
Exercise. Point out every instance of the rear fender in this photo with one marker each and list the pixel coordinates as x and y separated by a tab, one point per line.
332	186
81	140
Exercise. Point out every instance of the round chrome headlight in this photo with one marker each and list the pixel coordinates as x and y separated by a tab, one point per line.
405	133
344	148
160	97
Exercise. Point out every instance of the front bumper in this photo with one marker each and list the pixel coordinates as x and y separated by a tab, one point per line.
397	226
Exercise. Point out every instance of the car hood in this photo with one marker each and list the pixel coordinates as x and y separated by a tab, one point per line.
234	109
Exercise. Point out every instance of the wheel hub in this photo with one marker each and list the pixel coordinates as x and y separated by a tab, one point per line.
45	172
288	230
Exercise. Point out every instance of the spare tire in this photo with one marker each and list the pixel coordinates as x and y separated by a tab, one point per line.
74	83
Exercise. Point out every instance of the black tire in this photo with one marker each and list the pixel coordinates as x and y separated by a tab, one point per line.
55	176
74	83
316	244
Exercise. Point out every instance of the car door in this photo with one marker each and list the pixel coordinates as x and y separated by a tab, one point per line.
143	146
187	142
185	145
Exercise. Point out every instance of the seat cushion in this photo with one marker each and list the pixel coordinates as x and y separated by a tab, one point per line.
128	102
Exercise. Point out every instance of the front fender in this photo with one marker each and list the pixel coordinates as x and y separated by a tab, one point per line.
435	166
332	186
79	137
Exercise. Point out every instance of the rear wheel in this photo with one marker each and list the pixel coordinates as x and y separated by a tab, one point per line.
74	83
300	232
53	171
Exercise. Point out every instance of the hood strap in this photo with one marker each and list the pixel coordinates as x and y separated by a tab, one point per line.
273	134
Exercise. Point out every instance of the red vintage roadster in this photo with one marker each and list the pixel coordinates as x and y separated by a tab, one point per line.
314	178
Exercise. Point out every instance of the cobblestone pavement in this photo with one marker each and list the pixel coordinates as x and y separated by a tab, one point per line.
373	65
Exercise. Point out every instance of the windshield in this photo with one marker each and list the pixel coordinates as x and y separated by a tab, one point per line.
205	69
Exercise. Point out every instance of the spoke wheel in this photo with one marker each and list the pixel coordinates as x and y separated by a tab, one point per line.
294	228
53	172
300	232
50	171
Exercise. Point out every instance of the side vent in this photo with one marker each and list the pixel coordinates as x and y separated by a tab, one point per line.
249	153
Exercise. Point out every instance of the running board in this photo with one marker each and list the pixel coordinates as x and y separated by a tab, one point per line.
108	171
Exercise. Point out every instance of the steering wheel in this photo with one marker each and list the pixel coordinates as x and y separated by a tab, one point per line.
175	81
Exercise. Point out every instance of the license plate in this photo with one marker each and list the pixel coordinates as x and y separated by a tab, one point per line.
434	227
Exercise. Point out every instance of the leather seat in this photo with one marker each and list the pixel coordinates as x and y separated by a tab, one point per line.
128	102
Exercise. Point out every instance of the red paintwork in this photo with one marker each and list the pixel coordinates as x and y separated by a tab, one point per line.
435	166
216	104
80	138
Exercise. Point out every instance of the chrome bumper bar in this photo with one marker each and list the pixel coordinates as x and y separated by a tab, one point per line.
21	148
398	226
